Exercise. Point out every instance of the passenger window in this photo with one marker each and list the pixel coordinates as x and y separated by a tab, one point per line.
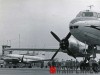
74	27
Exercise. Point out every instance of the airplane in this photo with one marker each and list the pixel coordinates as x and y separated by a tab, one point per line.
85	28
24	59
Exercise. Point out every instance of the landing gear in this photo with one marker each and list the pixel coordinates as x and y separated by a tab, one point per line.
95	67
84	67
89	63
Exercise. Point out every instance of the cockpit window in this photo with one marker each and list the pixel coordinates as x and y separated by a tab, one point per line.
87	14
73	27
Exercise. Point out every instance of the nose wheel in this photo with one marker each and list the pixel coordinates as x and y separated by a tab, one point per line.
89	63
85	66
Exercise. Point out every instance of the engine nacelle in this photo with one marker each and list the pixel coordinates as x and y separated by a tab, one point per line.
76	47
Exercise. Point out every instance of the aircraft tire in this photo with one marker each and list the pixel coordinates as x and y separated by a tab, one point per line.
95	67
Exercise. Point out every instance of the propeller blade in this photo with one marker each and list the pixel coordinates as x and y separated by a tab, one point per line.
68	36
55	54
55	36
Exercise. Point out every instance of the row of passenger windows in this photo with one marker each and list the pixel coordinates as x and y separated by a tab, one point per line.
74	27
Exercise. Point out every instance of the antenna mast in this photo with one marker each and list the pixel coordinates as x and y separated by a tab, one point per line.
90	6
19	40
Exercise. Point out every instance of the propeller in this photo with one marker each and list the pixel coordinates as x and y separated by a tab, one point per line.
22	59
64	43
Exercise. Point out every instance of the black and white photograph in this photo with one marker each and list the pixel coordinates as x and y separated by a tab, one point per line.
49	37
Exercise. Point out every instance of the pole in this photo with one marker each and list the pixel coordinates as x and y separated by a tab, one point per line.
19	40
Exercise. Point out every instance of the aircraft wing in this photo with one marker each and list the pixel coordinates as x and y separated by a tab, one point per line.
10	59
32	61
30	49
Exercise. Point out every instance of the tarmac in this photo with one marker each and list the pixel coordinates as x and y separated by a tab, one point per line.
39	71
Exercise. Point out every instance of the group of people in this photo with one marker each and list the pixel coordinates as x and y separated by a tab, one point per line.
68	65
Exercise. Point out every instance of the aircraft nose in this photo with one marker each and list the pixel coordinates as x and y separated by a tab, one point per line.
78	28
76	25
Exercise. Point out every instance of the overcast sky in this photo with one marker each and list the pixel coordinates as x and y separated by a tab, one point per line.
34	19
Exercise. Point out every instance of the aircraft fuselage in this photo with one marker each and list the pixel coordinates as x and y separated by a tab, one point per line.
86	27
